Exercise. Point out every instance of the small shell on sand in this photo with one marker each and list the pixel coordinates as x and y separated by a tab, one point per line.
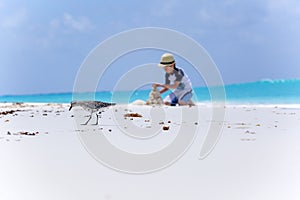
139	102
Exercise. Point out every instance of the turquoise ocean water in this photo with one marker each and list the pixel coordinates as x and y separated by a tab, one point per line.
260	92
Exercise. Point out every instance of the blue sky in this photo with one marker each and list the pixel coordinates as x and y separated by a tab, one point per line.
43	43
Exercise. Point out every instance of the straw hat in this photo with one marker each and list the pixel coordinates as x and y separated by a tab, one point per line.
166	59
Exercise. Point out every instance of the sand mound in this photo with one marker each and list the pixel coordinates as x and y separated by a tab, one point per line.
154	97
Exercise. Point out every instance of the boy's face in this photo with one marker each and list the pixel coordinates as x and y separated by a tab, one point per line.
169	68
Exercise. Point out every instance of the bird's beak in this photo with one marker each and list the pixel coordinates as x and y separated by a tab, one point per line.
70	108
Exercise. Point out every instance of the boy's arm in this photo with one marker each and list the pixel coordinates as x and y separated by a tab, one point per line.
155	85
166	87
163	90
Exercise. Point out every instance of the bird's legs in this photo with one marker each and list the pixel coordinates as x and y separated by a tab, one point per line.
88	119
97	114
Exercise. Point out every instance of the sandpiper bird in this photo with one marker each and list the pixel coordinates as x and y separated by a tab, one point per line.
91	106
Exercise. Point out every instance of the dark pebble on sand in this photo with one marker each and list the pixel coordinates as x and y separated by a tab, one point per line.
133	115
9	112
28	133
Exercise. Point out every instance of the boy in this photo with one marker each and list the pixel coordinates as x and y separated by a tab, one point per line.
176	80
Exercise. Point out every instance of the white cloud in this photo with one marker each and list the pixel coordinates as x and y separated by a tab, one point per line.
283	14
287	6
81	23
15	19
54	24
165	8
209	17
65	24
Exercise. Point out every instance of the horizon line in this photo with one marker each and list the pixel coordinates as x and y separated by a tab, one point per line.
265	80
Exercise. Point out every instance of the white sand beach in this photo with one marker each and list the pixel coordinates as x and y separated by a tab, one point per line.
42	155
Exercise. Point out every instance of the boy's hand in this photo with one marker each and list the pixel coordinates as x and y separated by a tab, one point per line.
155	85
